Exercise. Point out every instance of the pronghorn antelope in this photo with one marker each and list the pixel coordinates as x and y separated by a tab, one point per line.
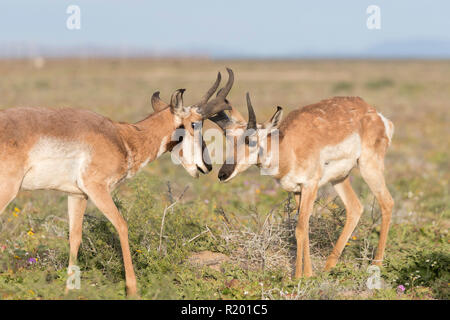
318	143
87	155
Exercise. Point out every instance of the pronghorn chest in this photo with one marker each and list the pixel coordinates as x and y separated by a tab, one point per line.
57	165
135	167
136	161
293	180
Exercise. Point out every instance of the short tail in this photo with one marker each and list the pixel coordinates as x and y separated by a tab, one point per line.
388	127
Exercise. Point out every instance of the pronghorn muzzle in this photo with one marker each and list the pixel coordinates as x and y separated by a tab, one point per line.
226	171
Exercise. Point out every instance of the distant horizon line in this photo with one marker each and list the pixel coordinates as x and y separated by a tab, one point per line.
396	51
222	57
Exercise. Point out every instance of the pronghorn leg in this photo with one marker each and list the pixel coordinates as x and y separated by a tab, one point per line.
297	197
307	261
372	171
353	209
308	195
76	208
9	188
102	199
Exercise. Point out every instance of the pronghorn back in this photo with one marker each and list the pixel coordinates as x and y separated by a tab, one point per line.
334	119
21	127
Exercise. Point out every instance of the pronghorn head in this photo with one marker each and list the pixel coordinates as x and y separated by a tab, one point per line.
187	144
247	141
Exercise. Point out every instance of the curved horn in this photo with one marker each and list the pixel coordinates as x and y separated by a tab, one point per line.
219	103
225	90
211	90
251	114
157	103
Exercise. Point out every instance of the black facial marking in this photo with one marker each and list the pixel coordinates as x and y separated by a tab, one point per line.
226	171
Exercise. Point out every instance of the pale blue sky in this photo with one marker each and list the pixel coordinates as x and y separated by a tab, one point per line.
234	28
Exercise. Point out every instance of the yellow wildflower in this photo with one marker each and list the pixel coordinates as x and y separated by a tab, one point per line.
347	244
30	232
332	206
354	238
16	209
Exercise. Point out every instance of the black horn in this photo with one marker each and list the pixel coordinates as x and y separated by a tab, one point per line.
219	103
251	114
211	91
225	90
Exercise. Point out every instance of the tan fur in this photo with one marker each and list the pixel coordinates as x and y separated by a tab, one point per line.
87	155
321	143
116	148
84	154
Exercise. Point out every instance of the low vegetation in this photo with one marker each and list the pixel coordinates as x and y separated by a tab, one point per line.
199	239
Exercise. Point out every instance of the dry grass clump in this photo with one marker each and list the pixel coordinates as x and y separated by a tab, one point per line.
267	244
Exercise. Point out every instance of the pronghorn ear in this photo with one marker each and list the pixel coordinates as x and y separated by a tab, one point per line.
157	103
274	122
176	102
